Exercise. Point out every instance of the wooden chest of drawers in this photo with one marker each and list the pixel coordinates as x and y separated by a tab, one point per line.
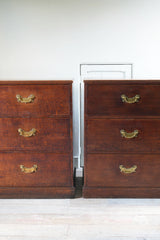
36	139
122	138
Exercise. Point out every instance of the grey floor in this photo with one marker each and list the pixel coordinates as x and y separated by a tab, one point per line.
80	219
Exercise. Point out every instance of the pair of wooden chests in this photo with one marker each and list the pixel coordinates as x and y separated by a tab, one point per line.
121	139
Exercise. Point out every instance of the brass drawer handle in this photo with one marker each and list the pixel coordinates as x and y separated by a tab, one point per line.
130	100
129	135
128	170
30	133
28	99
28	170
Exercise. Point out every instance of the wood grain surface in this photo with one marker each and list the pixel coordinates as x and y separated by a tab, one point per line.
50	100
52	135
103	170
50	148
77	219
52	169
105	99
106	149
103	135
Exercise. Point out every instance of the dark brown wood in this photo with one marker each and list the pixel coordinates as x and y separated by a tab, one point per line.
37	192
103	170
51	147
53	170
103	135
104	100
105	148
52	135
50	100
36	82
123	82
98	192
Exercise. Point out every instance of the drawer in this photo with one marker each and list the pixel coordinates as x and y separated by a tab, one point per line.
37	170
105	99
48	100
125	170
34	134
117	135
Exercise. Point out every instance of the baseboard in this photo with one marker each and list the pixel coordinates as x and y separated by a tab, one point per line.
79	172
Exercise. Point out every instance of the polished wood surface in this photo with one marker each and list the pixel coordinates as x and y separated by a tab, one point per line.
105	147
52	135
52	170
104	100
103	170
121	82
36	82
50	148
37	192
50	100
121	192
103	135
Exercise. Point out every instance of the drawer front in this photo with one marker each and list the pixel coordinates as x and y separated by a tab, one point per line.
36	169
114	170
34	134
117	135
106	100
42	100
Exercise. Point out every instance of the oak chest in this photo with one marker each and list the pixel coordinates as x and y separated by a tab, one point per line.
36	139
122	138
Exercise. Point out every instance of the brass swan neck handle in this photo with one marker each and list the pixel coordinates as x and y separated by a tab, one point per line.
129	134
30	133
130	100
29	170
28	99
127	170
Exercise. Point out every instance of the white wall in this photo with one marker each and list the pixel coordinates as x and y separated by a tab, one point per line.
48	39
